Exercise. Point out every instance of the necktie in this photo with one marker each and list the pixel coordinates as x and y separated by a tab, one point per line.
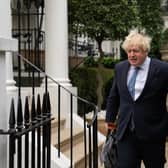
131	88
131	83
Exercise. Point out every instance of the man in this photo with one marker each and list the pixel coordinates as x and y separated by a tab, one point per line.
142	118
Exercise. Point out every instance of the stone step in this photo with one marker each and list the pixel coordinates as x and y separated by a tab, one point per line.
54	124
78	143
79	155
65	138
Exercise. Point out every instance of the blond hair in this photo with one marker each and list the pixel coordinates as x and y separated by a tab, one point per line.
136	38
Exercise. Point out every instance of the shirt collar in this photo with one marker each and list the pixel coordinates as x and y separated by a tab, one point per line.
145	64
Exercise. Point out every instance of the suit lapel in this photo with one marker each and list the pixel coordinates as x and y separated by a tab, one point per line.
124	77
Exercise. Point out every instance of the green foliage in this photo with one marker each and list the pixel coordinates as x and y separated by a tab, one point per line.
165	37
106	74
90	62
151	19
107	78
86	81
101	19
109	62
112	19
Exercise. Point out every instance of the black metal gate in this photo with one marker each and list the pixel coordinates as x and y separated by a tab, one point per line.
27	23
30	134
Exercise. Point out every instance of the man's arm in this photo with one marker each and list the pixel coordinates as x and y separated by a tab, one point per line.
113	102
112	107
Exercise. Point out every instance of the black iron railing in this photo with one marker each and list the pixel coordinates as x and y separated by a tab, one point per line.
26	131
90	129
25	134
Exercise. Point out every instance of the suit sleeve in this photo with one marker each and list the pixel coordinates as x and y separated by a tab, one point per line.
113	102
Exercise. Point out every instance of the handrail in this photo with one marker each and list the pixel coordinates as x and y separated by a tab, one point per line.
94	117
78	97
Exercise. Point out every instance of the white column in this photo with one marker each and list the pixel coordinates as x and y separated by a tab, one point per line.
10	82
3	117
56	28
6	44
56	52
5	32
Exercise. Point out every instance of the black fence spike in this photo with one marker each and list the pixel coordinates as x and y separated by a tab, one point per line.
18	4
42	3
26	111
27	3
38	3
33	109
12	120
19	113
48	104
38	106
44	105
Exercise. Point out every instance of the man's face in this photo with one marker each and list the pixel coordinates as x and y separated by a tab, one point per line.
136	56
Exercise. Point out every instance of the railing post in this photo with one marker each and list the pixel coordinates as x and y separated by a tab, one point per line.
39	118
44	131
19	128
71	129
33	136
48	132
26	124
90	148
95	144
12	123
59	118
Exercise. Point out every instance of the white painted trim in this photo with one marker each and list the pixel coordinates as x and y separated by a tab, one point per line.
8	44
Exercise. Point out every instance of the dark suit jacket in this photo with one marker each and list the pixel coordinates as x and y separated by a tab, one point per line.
149	110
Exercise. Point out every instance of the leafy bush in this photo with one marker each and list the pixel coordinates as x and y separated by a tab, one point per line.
109	62
90	62
165	37
86	81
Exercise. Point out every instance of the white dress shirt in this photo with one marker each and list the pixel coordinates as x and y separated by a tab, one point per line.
141	76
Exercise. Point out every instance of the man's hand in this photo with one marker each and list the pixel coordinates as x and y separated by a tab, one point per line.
109	127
